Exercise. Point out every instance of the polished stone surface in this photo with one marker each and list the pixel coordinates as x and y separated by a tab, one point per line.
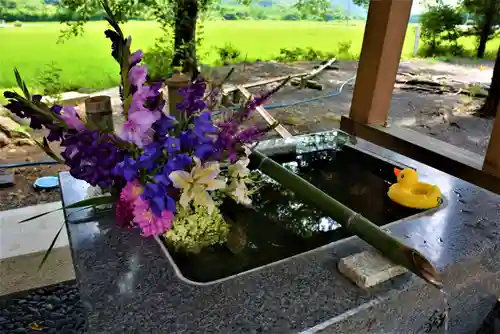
128	286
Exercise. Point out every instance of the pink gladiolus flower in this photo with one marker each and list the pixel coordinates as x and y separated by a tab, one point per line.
131	191
136	128
70	116
136	57
137	75
148	222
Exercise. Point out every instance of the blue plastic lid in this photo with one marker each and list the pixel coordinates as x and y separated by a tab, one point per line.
46	183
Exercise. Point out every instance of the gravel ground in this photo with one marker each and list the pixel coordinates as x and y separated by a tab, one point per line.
55	309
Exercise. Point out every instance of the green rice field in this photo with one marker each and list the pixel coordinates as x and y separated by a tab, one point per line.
86	60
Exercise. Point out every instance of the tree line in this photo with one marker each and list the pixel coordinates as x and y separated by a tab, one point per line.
443	25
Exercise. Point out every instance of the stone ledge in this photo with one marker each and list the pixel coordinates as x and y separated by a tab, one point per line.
32	236
21	273
22	247
369	268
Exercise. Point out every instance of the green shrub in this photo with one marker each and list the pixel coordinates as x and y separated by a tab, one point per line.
158	59
344	49
230	17
17	24
49	78
295	54
228	54
291	17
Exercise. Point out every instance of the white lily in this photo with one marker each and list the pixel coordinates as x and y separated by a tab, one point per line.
196	184
239	190
247	150
238	172
239	168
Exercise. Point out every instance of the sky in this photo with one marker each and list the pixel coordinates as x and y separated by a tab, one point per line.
419	5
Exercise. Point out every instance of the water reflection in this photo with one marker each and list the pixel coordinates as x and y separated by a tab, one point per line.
306	143
127	282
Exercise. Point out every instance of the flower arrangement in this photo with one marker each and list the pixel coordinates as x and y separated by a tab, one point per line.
168	175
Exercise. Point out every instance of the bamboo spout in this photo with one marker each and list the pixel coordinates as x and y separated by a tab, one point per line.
389	246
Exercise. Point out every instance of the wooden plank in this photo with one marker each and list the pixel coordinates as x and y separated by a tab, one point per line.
319	69
379	60
230	87
267	117
308	75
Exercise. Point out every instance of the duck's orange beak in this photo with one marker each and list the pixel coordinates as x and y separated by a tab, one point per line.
396	172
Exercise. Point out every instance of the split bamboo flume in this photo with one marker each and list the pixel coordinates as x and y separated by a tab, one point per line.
389	246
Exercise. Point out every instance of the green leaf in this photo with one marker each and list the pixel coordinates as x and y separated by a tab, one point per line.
46	255
46	148
95	201
21	84
106	199
38	216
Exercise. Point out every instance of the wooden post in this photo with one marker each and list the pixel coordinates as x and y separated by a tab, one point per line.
99	113
225	101
237	97
417	40
176	82
492	160
378	64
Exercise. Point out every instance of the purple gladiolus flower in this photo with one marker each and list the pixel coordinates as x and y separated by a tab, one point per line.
147	97
92	157
193	97
135	58
135	129
71	117
137	75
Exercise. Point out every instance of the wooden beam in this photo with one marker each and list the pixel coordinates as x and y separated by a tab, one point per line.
492	160
430	151
319	69
307	75
385	31
267	117
228	88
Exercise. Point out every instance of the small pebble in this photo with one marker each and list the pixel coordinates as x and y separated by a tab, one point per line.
56	310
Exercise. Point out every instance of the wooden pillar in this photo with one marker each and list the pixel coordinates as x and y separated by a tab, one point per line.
492	160
378	64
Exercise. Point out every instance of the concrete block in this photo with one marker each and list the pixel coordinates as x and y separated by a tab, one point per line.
369	268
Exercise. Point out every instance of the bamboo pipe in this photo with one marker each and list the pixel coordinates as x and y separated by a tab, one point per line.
389	246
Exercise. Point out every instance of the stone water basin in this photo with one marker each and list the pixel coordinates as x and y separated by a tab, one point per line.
127	284
279	226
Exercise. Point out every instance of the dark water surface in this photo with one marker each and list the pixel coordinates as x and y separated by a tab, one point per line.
280	226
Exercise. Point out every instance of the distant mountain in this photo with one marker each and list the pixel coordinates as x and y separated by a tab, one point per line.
346	5
349	7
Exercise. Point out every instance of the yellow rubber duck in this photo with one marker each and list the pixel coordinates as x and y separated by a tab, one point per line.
413	194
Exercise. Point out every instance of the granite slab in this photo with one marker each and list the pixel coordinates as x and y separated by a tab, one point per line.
128	286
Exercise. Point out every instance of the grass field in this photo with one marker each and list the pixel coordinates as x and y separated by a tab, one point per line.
86	60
